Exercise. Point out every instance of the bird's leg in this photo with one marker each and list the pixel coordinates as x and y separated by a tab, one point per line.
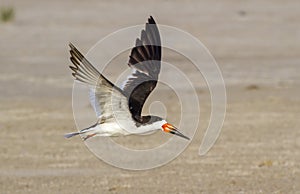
88	136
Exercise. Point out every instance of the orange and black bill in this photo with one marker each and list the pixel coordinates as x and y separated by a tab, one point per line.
173	130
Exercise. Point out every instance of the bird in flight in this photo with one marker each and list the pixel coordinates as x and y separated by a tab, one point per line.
119	110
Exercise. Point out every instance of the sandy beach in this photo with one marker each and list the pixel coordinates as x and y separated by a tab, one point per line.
256	45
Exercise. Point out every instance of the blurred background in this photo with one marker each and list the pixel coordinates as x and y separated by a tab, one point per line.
256	45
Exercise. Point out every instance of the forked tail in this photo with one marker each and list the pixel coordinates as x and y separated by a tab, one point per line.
86	133
68	135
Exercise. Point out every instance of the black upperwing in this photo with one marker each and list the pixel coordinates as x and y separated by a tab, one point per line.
145	61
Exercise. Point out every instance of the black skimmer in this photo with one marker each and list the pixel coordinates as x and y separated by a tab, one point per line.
119	109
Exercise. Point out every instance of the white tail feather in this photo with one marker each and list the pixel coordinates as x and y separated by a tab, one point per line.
68	135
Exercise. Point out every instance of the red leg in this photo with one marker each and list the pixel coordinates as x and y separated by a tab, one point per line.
88	136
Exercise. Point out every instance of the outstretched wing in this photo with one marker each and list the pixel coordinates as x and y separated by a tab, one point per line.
105	97
145	61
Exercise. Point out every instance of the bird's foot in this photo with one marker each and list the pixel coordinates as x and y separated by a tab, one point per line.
88	136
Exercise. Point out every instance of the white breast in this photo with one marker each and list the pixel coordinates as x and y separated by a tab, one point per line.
123	128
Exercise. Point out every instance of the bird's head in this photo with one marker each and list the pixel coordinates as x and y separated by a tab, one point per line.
156	123
168	128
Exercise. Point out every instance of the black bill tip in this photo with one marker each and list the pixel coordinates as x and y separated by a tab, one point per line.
176	132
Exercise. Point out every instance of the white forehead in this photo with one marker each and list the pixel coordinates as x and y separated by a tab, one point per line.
159	124
152	127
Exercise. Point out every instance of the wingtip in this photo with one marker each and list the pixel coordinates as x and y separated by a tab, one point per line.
71	45
151	20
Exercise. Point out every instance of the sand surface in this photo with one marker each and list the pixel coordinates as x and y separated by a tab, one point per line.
257	46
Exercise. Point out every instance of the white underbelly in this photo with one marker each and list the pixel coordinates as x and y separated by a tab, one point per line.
110	129
122	127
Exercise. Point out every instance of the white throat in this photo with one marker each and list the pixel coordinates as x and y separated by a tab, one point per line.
152	127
